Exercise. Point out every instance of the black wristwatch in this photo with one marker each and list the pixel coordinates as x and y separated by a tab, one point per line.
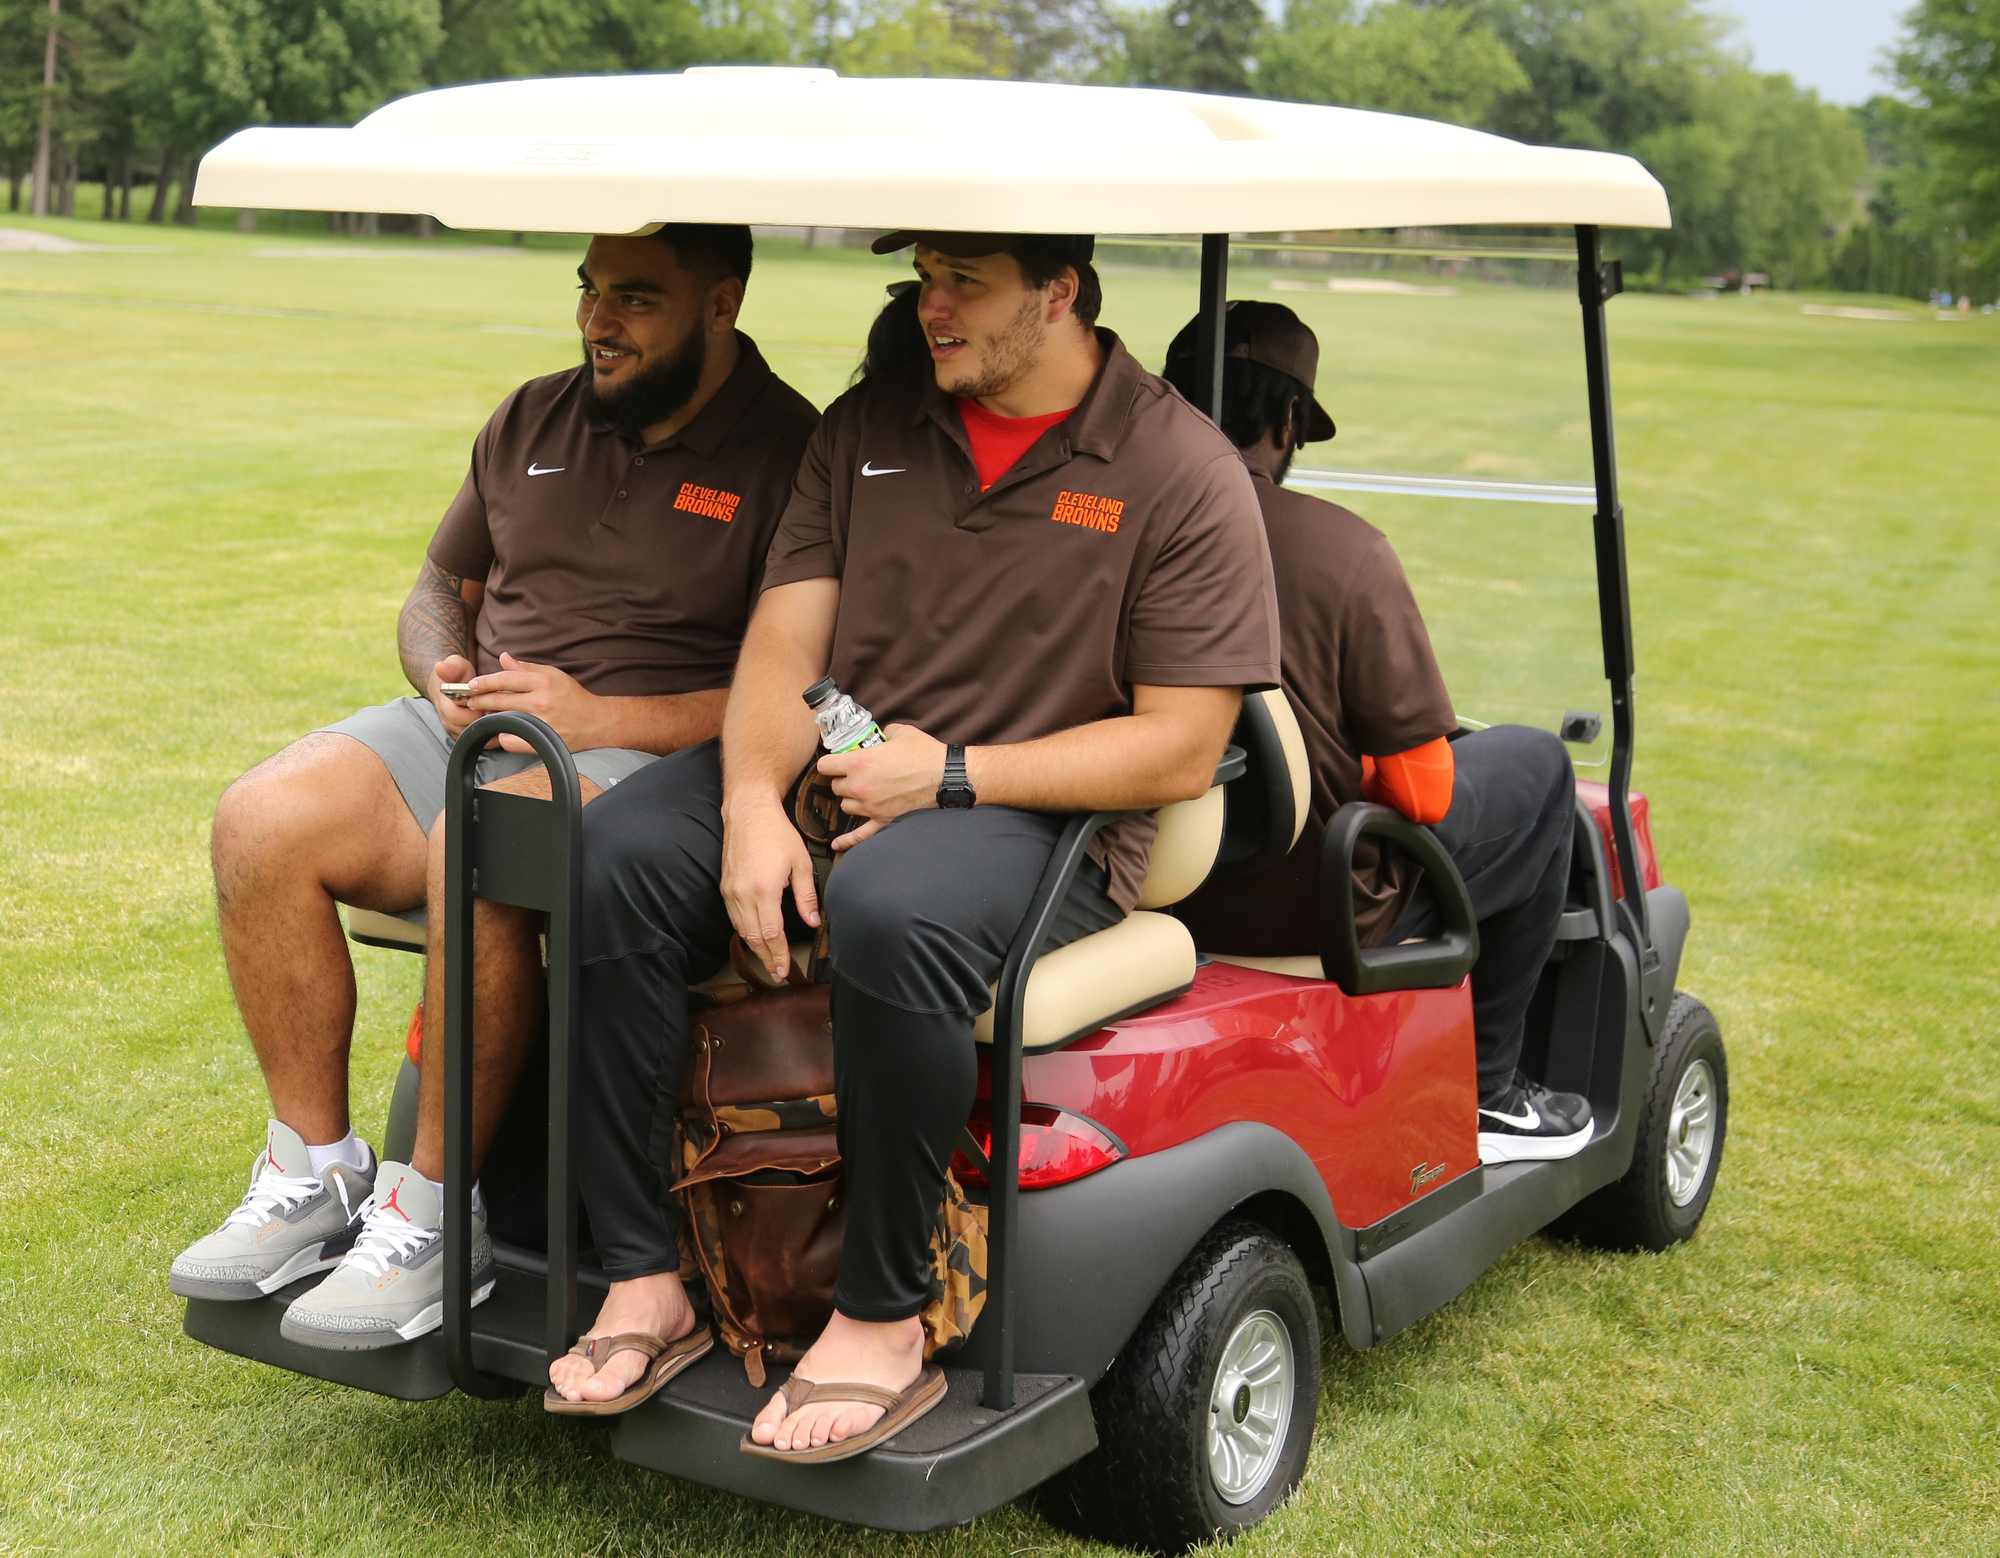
956	793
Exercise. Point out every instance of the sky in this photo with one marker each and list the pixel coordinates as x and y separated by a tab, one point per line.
1832	45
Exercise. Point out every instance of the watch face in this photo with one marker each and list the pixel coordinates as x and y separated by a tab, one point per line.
956	798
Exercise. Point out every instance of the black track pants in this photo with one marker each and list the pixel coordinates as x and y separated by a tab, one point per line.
921	916
653	924
1509	830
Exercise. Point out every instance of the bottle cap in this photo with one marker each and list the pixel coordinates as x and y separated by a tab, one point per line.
821	692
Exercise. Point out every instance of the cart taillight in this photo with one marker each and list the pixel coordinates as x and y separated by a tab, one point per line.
1056	1147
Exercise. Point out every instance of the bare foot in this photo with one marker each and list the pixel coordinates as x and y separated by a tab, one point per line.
891	1356
657	1306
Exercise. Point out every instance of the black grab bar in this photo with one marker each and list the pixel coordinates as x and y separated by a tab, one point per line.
520	850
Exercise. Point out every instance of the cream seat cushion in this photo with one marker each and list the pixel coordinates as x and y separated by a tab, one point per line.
1074	990
1184	849
1305	966
1297	764
1143	959
402	931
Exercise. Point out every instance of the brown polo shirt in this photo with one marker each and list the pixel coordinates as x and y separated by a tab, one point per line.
633	569
1123	547
1361	677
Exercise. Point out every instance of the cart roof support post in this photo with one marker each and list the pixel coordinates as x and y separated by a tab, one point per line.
1598	281
519	850
1211	331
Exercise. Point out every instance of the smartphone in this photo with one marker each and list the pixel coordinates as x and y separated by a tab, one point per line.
458	692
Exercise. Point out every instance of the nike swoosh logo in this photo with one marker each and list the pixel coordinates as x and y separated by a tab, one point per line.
1526	1122
888	470
537	470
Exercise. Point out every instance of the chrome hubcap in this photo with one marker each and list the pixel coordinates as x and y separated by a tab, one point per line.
1690	1132
1250	1407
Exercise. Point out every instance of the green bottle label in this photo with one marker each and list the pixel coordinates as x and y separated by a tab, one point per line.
871	737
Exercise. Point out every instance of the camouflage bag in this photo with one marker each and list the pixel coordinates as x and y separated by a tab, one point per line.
762	1191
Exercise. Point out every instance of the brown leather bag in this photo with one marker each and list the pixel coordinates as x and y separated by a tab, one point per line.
762	1190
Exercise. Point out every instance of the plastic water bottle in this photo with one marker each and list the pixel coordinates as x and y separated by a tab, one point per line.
843	723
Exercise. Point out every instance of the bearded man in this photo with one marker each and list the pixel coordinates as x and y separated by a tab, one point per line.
1045	573
597	569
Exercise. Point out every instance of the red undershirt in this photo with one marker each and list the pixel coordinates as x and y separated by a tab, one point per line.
997	441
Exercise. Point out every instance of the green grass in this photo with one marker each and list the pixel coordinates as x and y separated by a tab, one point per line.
209	519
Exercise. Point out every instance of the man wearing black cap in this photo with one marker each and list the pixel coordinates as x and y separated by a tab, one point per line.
1044	574
1372	705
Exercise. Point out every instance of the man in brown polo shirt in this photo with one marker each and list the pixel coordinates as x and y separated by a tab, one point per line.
596	569
1044	573
1371	703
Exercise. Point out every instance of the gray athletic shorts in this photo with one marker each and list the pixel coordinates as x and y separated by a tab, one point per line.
408	736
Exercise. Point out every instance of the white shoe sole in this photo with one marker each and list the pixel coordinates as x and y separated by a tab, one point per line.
1503	1147
433	1317
426	1320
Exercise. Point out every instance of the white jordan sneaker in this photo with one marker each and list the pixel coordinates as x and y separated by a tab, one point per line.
291	1223
390	1287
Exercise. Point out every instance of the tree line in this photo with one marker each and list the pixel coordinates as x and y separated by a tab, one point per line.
1899	196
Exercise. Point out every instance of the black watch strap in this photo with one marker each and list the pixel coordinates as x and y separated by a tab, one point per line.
956	793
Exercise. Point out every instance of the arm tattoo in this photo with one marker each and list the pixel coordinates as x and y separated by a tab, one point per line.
436	624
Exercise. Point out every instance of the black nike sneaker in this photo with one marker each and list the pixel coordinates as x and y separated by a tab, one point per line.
1525	1122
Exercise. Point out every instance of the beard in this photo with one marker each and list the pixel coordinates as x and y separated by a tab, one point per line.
1009	357
655	392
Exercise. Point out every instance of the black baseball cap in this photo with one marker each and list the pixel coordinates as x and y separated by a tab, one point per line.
1068	248
1271	334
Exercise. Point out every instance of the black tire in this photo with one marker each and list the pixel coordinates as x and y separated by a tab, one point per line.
1639	1212
1149	1484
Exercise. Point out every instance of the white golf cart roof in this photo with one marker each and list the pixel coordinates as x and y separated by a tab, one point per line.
616	154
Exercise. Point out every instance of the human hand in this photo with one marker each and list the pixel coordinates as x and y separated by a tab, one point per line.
552	696
900	774
455	715
762	855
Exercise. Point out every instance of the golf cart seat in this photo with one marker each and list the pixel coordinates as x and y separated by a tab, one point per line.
403	932
1148	958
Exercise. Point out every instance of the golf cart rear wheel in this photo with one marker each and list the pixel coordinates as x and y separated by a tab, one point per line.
1682	1123
1205	1421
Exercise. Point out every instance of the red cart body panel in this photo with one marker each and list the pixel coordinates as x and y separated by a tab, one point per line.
1379	1090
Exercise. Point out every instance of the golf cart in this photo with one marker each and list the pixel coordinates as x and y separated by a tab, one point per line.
1183	1147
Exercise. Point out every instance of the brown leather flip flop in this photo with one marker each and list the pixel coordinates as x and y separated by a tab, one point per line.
898	1412
664	1359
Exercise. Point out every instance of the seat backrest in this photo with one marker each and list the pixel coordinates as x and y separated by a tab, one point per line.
1184	850
1245	825
1268	805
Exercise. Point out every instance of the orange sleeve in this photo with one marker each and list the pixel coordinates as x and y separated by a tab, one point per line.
1417	782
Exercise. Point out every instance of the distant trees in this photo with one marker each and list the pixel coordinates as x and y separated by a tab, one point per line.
1940	153
1761	173
1201	45
1438	62
202	68
1031	39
